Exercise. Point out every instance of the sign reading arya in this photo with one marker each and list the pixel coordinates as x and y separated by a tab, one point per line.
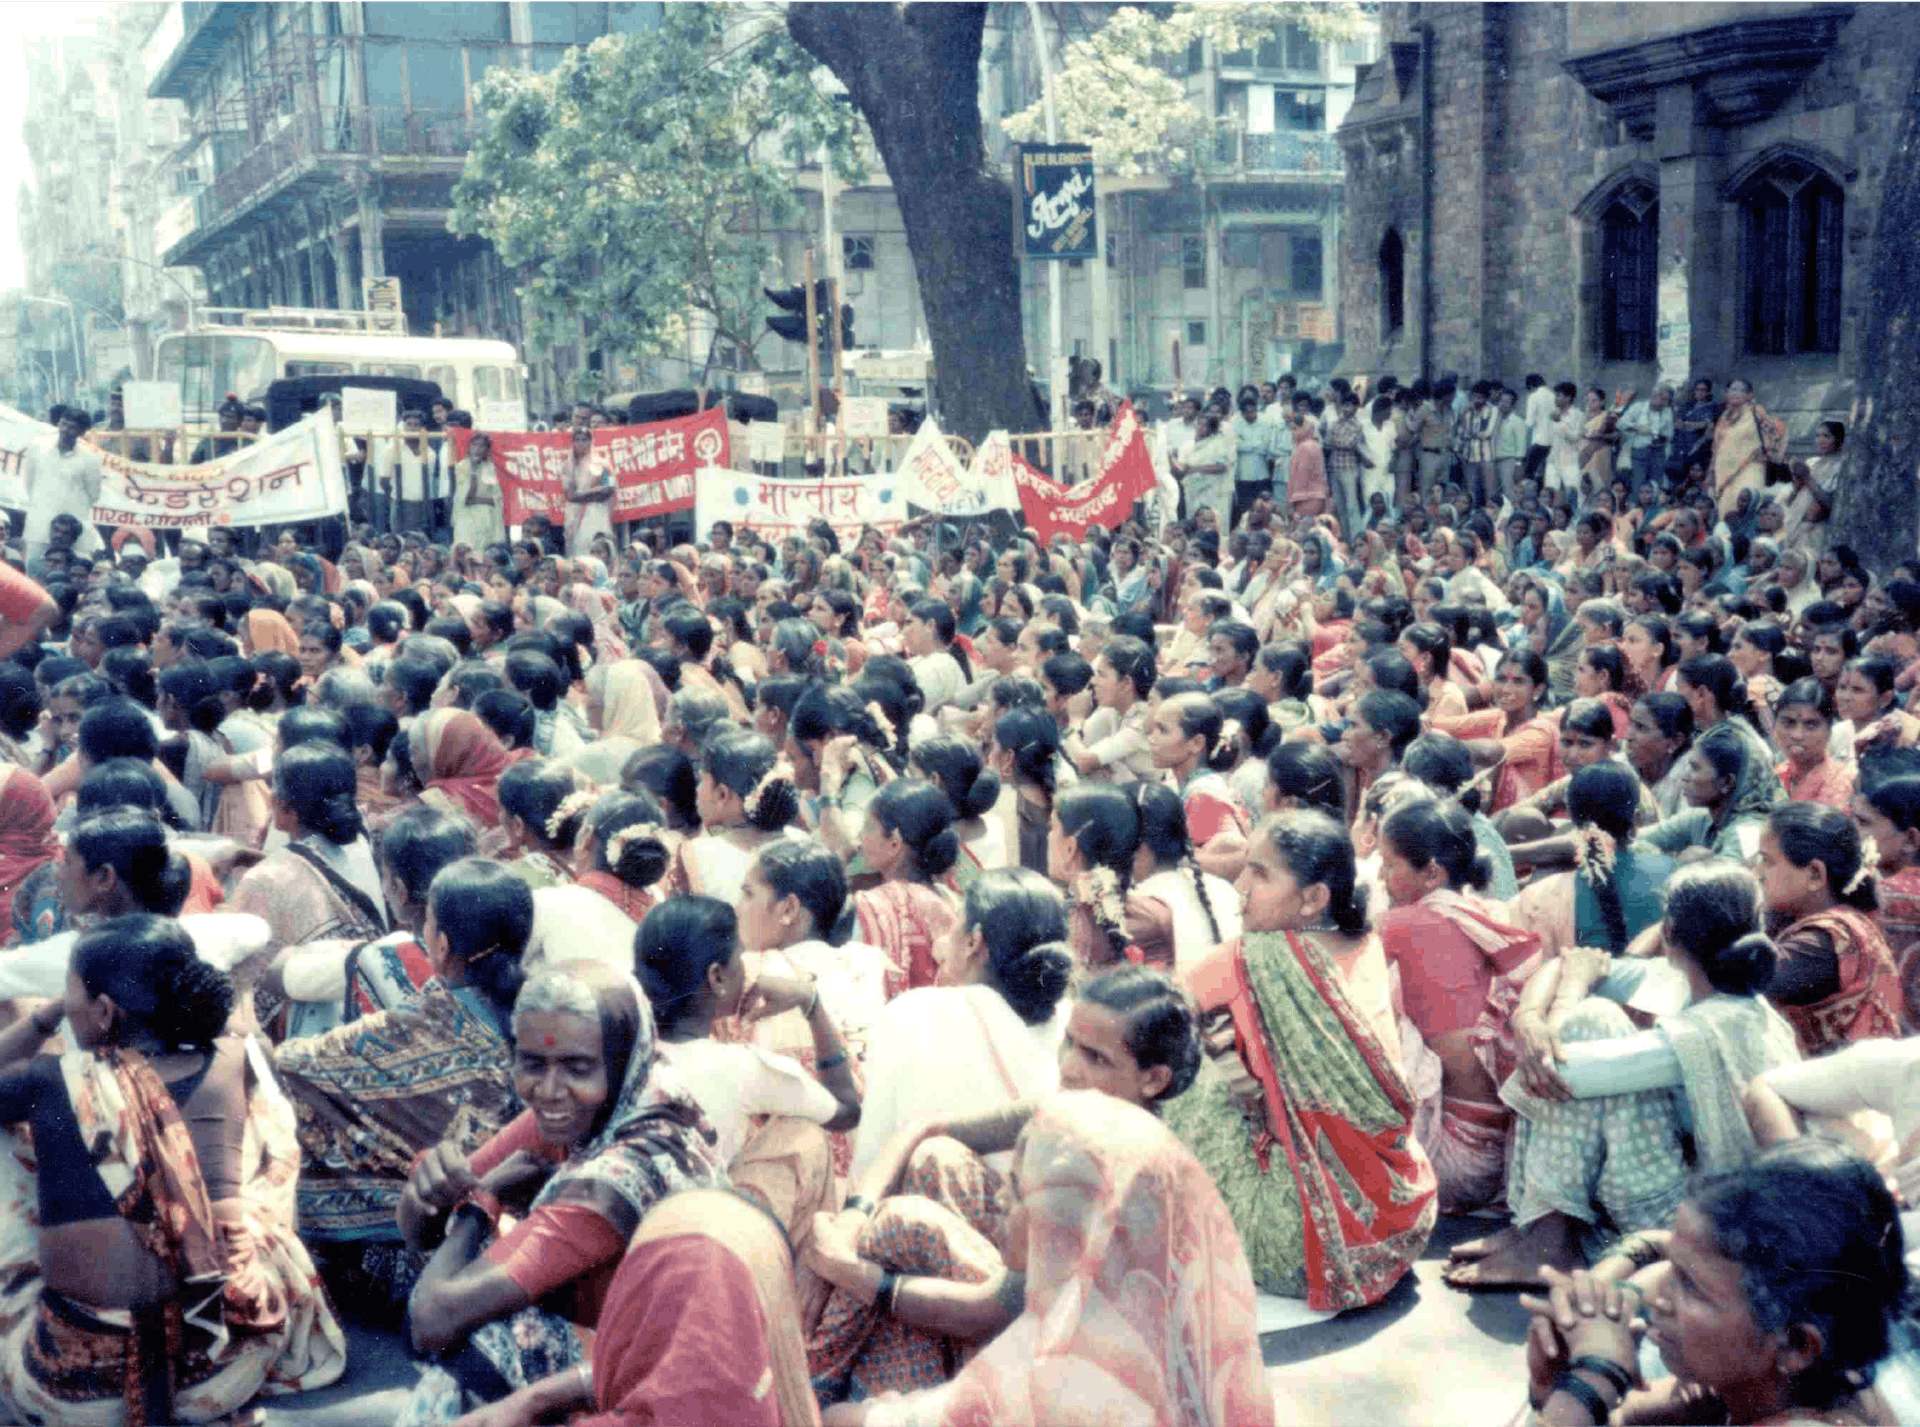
1056	191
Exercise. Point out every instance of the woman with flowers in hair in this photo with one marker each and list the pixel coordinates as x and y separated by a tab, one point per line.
747	797
1836	982
540	812
1613	893
1093	841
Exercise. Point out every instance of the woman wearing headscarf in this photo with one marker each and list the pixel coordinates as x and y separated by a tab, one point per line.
504	1309
1549	631
458	761
1307	472
27	844
620	708
700	1319
598	605
1121	1224
262	630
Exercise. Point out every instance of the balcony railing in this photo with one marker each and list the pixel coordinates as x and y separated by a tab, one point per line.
370	132
1284	152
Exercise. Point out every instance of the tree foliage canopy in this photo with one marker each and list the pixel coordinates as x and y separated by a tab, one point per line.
642	179
1124	88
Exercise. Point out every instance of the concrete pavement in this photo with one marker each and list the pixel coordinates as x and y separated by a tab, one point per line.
1427	1355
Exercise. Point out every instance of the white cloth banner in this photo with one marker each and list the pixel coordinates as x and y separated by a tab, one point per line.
932	477
777	507
291	476
992	473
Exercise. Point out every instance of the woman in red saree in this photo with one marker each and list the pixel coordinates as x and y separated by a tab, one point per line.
1514	733
908	839
27	842
1836	982
458	761
1460	971
1313	1096
1887	812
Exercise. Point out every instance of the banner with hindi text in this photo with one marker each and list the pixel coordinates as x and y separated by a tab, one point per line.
652	466
776	507
1106	498
286	478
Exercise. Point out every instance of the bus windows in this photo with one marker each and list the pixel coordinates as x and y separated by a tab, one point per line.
389	369
206	366
442	376
319	369
486	384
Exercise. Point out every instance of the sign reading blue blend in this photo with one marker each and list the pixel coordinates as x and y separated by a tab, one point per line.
1056	193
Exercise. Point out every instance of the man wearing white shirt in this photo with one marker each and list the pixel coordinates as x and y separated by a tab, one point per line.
1539	416
1647	426
1564	433
61	479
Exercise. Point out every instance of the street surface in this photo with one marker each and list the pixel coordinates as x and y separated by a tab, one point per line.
1428	1354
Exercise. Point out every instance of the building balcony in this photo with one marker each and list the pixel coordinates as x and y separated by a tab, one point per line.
185	43
317	150
1284	156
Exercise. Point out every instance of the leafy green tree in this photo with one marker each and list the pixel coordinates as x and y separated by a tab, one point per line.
1124	88
639	183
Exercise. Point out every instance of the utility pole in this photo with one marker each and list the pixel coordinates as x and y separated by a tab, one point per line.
813	352
1056	361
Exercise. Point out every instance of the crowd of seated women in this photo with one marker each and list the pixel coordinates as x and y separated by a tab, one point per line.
943	981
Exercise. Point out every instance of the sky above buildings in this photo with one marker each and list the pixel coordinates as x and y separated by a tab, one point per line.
26	19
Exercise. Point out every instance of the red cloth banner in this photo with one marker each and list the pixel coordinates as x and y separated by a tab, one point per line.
1105	499
652	466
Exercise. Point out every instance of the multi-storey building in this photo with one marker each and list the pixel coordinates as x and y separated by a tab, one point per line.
1621	195
322	141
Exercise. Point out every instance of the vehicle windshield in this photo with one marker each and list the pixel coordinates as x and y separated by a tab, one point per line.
209	365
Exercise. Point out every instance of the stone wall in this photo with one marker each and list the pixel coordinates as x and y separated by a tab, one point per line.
1518	143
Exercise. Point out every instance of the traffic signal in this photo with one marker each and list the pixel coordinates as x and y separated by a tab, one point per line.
791	321
846	326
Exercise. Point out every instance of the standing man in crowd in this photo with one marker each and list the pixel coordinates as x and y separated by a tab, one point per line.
62	479
1253	463
589	493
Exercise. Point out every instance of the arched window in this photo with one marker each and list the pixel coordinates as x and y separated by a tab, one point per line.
1790	218
1629	264
1393	283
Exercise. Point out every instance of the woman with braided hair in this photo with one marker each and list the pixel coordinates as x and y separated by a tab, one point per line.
540	811
1176	913
1613	893
747	797
1091	845
908	838
1311	1094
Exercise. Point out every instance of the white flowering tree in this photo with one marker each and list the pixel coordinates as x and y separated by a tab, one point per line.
638	184
1124	89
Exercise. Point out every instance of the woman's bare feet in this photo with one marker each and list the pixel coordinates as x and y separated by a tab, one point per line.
1546	1242
1470	1249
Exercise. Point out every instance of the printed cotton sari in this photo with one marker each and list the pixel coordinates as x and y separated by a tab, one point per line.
1332	1195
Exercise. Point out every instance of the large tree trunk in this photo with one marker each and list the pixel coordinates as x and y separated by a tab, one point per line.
914	72
1877	510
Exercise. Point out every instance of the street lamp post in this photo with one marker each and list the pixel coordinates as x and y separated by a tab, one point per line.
185	291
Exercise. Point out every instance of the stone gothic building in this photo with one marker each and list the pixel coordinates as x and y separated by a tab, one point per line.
1623	194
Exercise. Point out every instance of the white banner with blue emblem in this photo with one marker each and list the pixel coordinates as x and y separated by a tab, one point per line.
777	507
